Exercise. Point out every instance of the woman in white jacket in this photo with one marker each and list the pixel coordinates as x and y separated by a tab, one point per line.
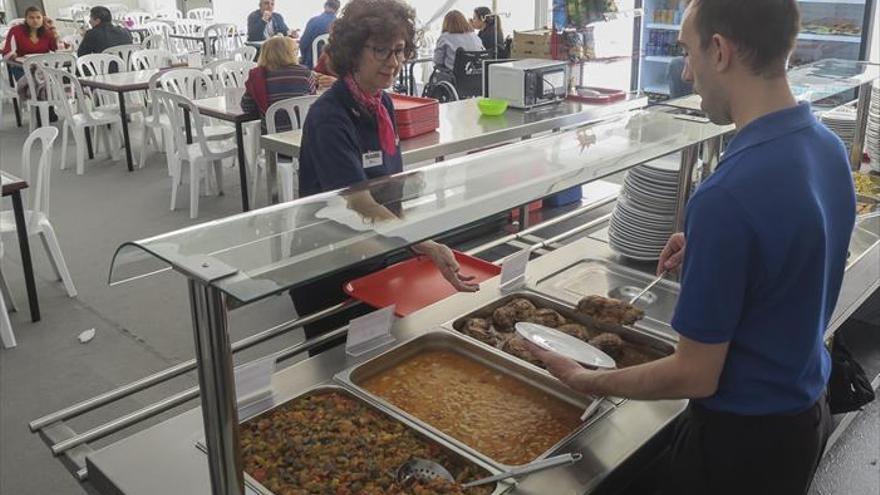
457	33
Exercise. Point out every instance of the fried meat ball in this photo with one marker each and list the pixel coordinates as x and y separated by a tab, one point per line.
609	343
609	310
508	315
480	329
516	346
546	317
575	330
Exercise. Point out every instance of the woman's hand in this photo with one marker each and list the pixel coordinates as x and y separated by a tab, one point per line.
444	259
324	81
672	255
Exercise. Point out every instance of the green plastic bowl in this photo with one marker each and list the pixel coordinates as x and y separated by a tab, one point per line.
491	107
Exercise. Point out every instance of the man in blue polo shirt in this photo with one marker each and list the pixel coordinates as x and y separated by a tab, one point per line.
762	257
317	26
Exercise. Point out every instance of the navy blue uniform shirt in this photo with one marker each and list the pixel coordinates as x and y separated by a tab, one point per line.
340	144
317	26
767	240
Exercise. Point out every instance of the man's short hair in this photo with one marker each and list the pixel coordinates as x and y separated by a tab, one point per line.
102	14
332	5
764	31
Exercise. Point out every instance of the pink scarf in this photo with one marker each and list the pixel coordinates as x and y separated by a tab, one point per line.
373	104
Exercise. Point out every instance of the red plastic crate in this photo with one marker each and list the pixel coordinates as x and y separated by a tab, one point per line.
415	283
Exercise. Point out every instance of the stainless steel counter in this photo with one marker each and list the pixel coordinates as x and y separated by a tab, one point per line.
131	465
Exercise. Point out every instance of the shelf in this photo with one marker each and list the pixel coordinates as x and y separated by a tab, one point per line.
659	58
838	38
666	27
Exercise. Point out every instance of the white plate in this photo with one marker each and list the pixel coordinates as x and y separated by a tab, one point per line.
553	340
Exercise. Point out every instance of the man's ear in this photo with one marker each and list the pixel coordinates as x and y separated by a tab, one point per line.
723	51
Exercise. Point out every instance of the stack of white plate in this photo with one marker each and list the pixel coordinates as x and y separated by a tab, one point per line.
842	120
872	137
643	218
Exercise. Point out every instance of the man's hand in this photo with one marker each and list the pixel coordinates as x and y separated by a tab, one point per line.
267	14
293	33
444	259
558	365
672	255
324	81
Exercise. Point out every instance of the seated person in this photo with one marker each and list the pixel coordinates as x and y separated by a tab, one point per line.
324	72
34	36
103	33
264	23
317	26
490	31
277	77
457	33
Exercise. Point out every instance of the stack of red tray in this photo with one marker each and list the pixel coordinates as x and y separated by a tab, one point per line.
415	116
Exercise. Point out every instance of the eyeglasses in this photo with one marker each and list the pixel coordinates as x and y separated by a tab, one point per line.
383	54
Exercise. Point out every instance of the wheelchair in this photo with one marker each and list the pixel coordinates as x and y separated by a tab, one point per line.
465	80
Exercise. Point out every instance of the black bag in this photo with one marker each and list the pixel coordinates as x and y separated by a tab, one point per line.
848	388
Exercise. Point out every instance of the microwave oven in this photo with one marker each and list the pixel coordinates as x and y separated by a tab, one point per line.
529	82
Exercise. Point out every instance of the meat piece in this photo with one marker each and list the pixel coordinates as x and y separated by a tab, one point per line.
508	315
609	343
480	329
575	330
611	311
516	346
546	317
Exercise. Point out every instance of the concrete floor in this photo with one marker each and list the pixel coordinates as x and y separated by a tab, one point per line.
144	326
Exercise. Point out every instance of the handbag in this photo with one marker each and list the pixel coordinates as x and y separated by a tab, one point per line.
848	388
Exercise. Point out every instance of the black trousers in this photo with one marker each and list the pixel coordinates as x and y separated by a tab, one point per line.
719	453
323	293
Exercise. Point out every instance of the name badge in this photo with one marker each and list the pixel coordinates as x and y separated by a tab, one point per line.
372	159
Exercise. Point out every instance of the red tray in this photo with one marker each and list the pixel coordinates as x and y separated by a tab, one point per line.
413	109
414	129
415	283
606	96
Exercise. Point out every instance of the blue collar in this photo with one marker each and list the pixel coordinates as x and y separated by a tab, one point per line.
771	126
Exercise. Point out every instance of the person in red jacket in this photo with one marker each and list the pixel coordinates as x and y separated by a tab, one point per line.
34	36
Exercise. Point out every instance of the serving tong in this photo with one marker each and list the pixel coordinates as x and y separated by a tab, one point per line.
423	469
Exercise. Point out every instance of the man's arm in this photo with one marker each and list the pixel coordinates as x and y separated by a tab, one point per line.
87	45
691	372
256	26
305	43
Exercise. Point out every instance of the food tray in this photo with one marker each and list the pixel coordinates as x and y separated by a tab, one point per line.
414	109
415	283
487	356
631	335
451	450
593	276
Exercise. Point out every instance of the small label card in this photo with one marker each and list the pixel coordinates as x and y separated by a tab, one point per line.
253	381
369	332
513	270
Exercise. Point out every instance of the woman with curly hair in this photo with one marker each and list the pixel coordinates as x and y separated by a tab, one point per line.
350	137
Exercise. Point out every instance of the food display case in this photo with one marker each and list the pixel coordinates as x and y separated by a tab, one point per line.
244	258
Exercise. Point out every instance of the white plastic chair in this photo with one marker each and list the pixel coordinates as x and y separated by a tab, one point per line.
37	210
7	92
33	75
318	45
246	53
77	117
117	10
201	14
198	155
168	14
233	74
7	336
103	63
296	109
124	52
137	18
151	59
222	40
155	42
72	41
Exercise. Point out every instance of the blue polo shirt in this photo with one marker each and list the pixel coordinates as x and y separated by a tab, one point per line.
317	26
767	239
340	144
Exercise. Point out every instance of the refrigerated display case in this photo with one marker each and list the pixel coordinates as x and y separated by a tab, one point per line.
829	29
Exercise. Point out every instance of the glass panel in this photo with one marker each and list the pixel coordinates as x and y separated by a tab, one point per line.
275	248
812	82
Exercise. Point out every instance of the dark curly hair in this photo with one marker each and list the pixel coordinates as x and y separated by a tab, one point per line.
383	21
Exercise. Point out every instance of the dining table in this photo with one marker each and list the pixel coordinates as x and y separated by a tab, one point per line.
12	186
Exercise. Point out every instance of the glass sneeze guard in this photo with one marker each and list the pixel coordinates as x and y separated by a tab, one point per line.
256	254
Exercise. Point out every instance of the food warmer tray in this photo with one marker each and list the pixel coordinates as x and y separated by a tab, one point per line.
256	487
594	276
441	339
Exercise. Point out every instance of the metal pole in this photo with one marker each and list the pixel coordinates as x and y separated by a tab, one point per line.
711	157
217	384
858	144
685	180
